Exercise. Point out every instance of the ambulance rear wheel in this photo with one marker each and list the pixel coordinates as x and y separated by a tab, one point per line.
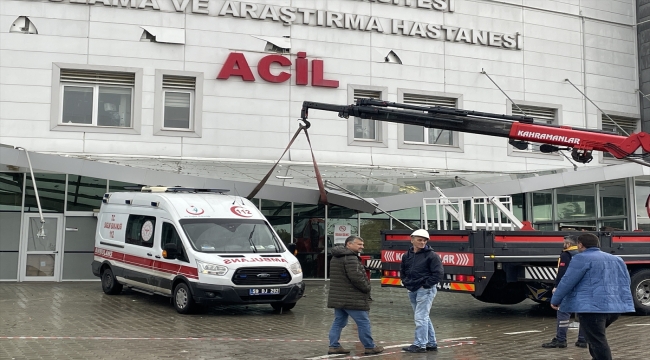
109	283
182	298
283	307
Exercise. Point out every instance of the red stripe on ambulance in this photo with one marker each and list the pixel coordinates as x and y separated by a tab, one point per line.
150	264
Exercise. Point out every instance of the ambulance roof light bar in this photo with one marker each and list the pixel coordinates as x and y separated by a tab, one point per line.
178	189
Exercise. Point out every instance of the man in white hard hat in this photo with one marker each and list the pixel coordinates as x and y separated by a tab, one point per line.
421	271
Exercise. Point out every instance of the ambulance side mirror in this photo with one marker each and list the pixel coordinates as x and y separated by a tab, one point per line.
170	251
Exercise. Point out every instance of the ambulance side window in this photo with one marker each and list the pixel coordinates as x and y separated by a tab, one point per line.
170	236
140	230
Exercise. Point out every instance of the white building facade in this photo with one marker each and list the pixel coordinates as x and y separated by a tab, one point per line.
177	85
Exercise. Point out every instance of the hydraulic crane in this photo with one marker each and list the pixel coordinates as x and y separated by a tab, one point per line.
519	129
496	266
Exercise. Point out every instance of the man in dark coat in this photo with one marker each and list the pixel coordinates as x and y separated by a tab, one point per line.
596	285
421	271
563	318
348	294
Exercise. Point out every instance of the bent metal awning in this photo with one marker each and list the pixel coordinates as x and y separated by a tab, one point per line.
388	188
586	175
17	160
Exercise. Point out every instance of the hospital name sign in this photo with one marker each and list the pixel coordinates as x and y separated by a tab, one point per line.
288	15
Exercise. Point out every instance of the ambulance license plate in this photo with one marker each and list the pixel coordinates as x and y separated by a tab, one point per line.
264	291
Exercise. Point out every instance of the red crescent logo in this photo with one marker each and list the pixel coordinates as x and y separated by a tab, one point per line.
241	211
193	210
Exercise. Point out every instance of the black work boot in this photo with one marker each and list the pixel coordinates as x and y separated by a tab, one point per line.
338	350
581	344
554	344
414	349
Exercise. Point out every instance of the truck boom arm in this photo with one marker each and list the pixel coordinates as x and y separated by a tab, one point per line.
519	129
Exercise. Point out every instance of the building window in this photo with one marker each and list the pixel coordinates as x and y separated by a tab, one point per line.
278	213
641	193
11	191
309	235
51	193
178	99
93	98
365	129
178	103
540	115
420	138
84	193
96	98
629	124
589	207
431	136
542	206
576	203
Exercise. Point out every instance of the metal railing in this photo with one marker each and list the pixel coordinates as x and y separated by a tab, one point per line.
464	213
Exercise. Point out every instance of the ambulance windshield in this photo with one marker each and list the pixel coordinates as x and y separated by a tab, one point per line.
230	236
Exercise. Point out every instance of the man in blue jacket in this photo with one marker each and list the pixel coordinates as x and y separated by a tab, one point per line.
421	271
596	285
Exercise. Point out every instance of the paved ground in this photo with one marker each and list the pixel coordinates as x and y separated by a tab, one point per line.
77	321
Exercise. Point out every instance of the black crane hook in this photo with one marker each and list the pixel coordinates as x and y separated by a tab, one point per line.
306	124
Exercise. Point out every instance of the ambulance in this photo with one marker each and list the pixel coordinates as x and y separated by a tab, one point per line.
196	246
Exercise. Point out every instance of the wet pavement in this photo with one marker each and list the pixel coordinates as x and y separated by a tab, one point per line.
78	321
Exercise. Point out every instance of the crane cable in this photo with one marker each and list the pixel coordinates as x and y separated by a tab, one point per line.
319	178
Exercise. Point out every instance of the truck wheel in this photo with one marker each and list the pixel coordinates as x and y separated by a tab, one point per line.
283	307
110	285
182	298
640	285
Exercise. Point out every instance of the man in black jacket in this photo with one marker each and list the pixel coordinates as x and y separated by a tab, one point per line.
348	295
563	318
421	271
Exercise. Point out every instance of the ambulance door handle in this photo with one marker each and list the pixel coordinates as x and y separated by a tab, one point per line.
157	257
149	254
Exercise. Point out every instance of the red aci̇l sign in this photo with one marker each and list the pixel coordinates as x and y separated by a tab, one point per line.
236	65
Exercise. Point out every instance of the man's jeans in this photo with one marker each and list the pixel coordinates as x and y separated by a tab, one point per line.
421	301
363	325
594	325
563	320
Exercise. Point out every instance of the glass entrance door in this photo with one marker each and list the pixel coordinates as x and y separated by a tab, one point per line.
41	250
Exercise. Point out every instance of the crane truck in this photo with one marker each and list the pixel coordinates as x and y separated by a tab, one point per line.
486	251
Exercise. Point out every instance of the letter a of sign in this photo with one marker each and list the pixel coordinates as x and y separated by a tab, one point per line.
236	65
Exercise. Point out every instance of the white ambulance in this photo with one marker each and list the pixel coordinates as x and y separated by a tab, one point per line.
195	246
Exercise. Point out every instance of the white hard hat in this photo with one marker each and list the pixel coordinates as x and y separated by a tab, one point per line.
421	232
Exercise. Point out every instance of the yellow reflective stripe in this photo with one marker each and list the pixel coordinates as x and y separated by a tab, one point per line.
391	281
461	286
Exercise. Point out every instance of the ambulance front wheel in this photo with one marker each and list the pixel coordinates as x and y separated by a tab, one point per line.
182	298
109	283
283	307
